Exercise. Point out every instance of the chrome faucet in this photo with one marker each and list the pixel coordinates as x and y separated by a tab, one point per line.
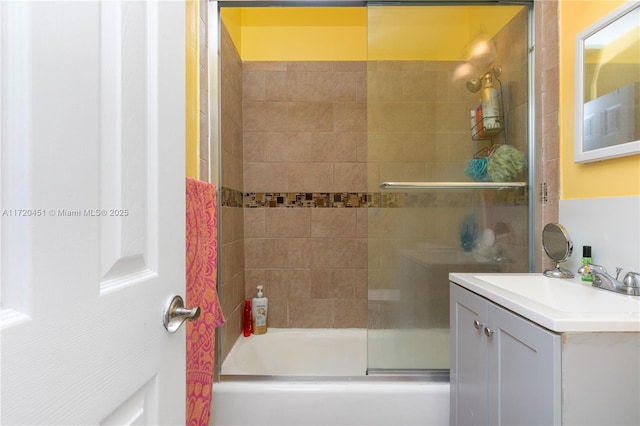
630	285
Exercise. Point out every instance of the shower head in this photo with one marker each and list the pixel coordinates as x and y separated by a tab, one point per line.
474	85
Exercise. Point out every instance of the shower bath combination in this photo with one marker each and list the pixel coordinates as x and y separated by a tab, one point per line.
314	137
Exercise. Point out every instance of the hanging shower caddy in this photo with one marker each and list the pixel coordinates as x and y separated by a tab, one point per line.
487	119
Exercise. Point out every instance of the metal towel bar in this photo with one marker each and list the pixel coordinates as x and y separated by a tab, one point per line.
451	185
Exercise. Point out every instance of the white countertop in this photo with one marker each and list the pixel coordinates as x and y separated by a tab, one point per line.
561	305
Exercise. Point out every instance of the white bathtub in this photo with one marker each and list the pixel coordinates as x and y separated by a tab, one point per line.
300	351
337	352
302	377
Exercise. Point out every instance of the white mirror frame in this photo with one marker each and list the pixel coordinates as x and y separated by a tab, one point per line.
581	155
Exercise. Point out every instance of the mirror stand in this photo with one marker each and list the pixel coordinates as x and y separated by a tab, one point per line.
558	246
558	272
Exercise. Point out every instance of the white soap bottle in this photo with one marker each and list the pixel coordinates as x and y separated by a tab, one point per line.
259	308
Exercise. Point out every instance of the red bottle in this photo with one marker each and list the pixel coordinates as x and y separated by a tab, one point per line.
247	318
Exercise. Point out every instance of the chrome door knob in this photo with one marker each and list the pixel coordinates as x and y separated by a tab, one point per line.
488	332
477	324
175	314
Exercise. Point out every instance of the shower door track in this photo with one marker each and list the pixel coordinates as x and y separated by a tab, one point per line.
383	375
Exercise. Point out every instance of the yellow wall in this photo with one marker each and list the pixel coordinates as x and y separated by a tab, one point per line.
432	33
192	101
232	18
439	33
298	34
616	177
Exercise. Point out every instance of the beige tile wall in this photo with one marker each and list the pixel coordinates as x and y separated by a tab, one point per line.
547	143
231	265
304	126
305	131
416	134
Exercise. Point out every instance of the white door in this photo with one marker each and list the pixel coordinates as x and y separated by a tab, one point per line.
92	204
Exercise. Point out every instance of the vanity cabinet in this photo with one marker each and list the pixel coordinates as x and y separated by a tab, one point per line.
505	370
527	349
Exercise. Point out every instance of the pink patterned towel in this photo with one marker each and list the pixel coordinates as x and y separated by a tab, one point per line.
202	267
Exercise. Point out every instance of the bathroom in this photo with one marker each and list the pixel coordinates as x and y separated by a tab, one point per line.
294	304
58	304
309	298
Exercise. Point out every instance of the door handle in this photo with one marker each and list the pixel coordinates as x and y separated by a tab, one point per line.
175	314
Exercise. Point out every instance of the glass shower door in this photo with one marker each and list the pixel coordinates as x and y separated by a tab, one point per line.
430	146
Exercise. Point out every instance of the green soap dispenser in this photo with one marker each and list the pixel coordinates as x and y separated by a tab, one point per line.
586	258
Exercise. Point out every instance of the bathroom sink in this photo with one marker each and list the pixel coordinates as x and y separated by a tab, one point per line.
561	305
564	295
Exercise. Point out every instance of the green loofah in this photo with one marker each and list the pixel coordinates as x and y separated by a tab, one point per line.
505	163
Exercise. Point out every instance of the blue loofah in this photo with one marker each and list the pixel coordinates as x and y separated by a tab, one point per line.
468	233
477	169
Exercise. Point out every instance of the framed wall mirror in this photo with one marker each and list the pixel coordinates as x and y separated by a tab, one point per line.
607	92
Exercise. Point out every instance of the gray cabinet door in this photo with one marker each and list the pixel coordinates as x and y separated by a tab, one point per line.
524	371
469	373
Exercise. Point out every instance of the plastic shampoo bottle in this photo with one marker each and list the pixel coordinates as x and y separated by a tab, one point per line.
247	318
259	308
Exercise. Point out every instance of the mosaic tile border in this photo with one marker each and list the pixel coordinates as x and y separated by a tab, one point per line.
234	198
230	197
305	199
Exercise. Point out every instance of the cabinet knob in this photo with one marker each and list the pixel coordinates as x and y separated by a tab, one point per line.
477	324
488	332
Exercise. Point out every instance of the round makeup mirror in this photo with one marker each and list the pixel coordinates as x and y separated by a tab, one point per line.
558	246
